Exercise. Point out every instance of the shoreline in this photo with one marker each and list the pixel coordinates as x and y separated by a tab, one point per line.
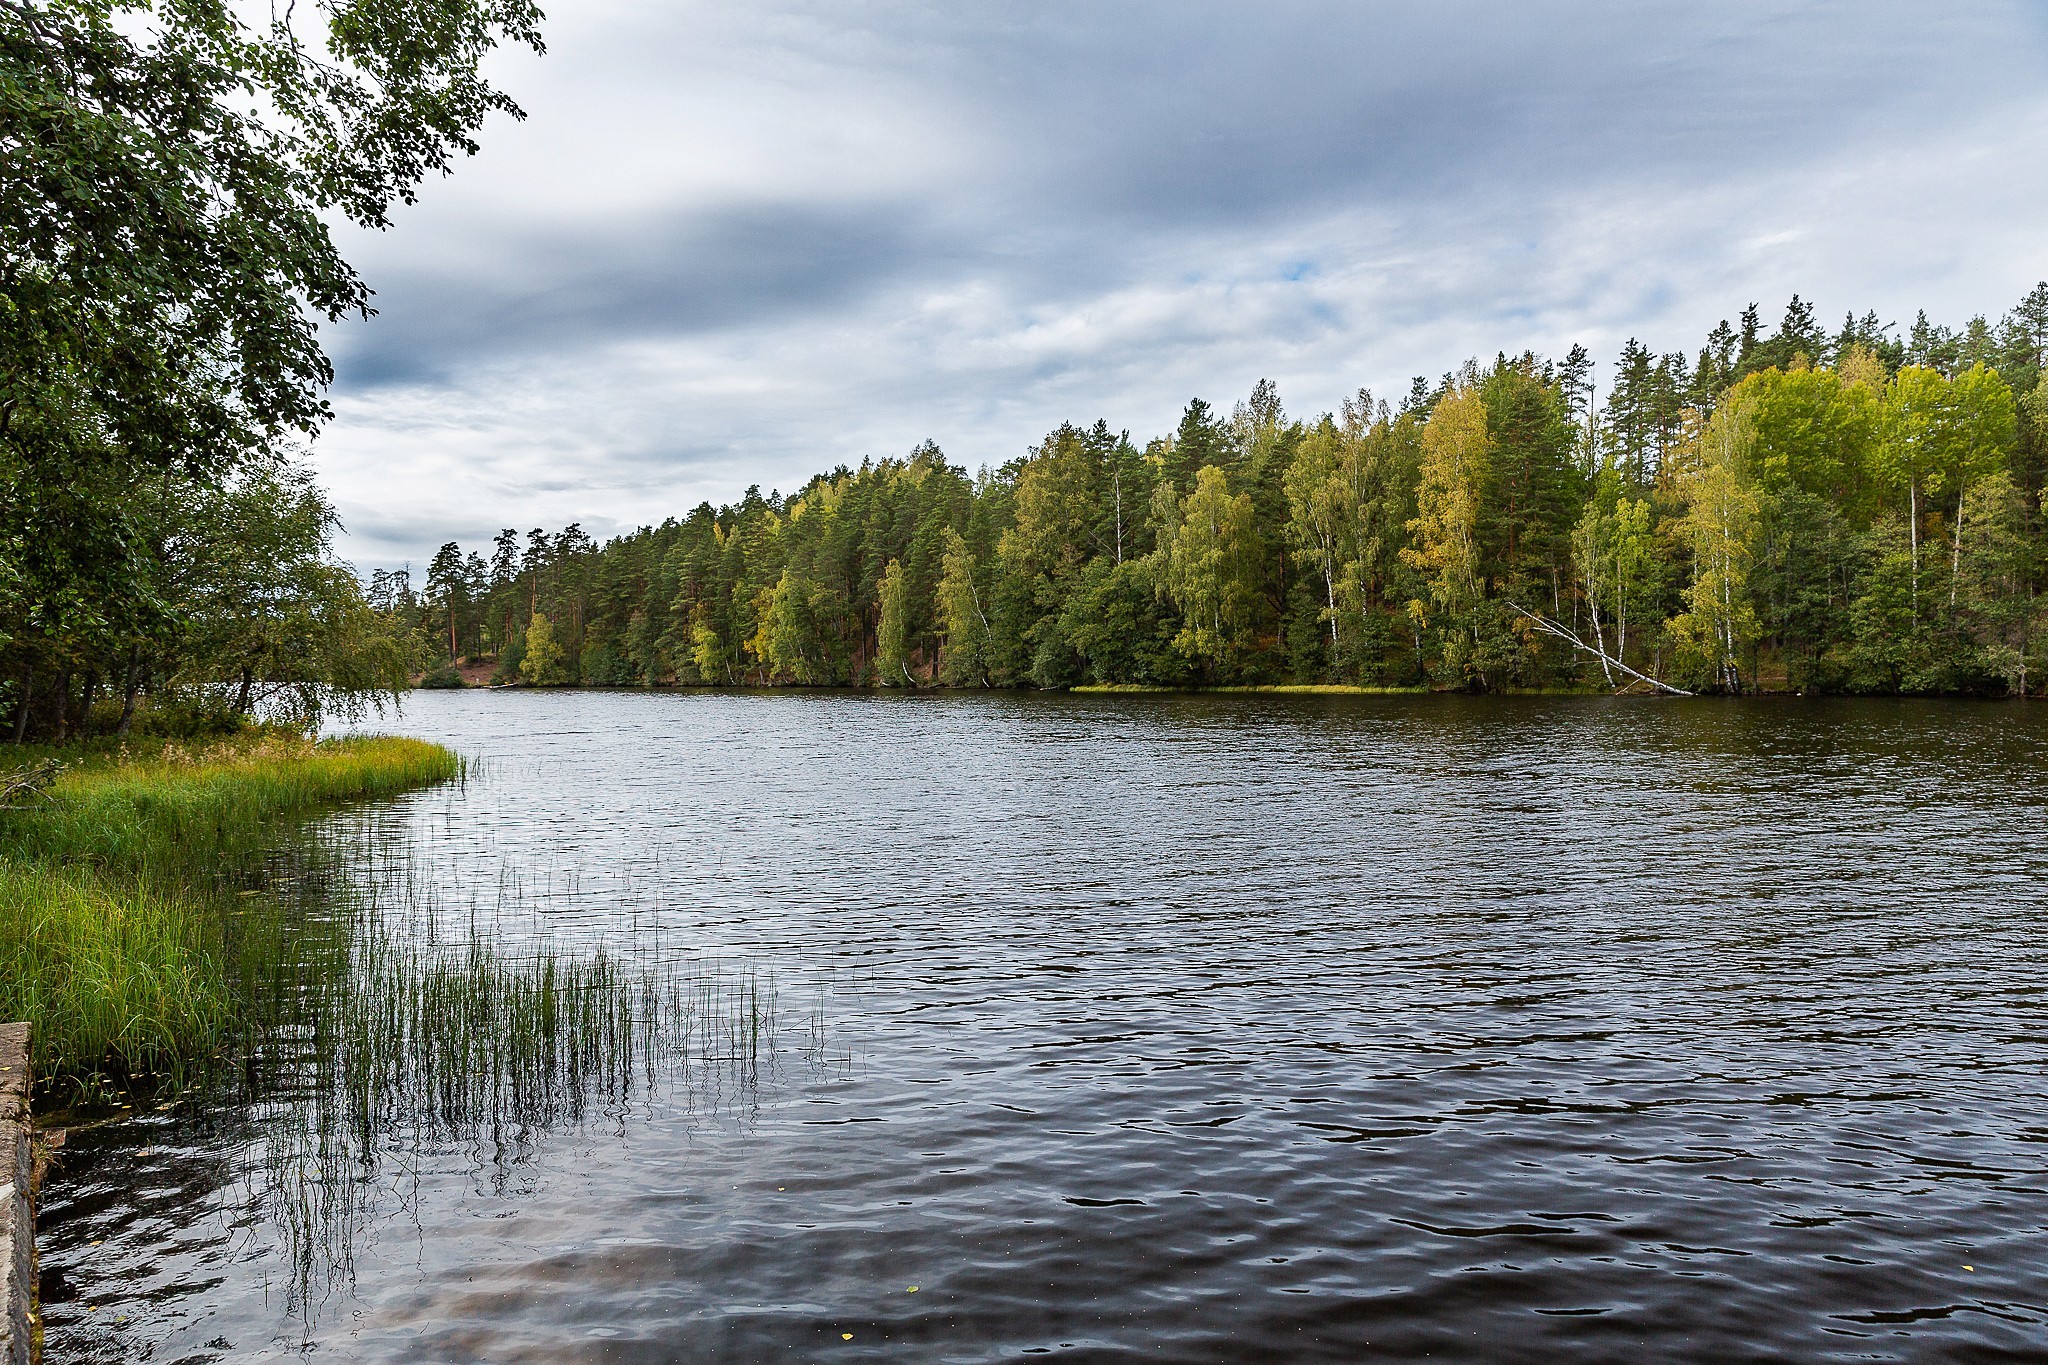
1238	689
111	890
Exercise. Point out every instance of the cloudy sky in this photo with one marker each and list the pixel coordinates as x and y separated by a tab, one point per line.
740	242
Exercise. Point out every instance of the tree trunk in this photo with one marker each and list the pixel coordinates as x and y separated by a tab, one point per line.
1913	532
1119	516
61	708
1600	638
242	694
21	708
1955	567
131	689
1330	592
1560	631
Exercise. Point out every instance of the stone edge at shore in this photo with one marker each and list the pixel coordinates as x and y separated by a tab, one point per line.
17	1215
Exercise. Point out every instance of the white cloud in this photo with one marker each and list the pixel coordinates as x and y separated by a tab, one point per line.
830	242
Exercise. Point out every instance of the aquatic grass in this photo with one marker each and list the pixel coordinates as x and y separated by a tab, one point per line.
125	945
108	972
417	1049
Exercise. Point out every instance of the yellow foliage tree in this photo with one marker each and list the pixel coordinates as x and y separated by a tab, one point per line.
1456	456
1720	528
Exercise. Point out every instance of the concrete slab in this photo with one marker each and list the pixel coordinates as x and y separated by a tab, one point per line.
17	1214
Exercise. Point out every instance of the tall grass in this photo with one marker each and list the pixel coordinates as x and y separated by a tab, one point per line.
107	974
118	925
417	1049
176	810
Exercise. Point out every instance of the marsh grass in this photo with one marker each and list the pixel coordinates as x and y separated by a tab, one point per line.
108	971
172	910
419	1049
178	811
127	946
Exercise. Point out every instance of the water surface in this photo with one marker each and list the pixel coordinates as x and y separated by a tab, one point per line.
1183	1028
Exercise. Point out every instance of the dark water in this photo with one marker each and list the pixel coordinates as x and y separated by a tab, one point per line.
1204	1029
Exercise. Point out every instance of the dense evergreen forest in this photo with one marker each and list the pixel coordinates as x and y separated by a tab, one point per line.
1800	510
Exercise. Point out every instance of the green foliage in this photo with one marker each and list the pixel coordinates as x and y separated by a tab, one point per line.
966	632
108	975
174	171
1208	555
1794	510
544	663
892	633
1719	529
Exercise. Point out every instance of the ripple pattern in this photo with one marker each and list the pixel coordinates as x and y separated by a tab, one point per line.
1211	1029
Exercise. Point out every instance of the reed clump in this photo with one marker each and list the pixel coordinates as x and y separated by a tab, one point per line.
413	1049
116	888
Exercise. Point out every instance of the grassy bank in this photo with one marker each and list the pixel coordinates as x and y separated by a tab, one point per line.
116	903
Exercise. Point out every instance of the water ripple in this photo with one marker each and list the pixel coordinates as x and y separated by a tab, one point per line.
1209	1029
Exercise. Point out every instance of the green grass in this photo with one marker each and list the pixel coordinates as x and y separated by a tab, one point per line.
107	974
120	936
176	808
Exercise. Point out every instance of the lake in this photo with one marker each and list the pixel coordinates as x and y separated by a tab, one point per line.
1193	1028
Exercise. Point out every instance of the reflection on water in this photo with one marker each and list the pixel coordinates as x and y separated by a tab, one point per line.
1192	1028
416	1050
394	1045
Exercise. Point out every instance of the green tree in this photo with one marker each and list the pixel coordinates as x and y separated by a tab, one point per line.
964	625
1719	527
1209	560
1456	459
709	652
268	619
892	655
173	175
2000	565
1324	498
545	663
448	591
1939	437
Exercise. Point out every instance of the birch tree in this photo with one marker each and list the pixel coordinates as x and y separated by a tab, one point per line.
1719	528
1210	558
1455	456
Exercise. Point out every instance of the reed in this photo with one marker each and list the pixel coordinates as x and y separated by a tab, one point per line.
124	942
107	973
417	1049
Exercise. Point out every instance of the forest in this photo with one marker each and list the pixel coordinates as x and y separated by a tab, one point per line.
1801	510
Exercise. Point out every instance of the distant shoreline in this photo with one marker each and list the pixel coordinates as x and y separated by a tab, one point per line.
1241	689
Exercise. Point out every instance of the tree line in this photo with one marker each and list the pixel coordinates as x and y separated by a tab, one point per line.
1804	509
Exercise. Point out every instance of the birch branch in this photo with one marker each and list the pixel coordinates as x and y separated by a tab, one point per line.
1571	637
